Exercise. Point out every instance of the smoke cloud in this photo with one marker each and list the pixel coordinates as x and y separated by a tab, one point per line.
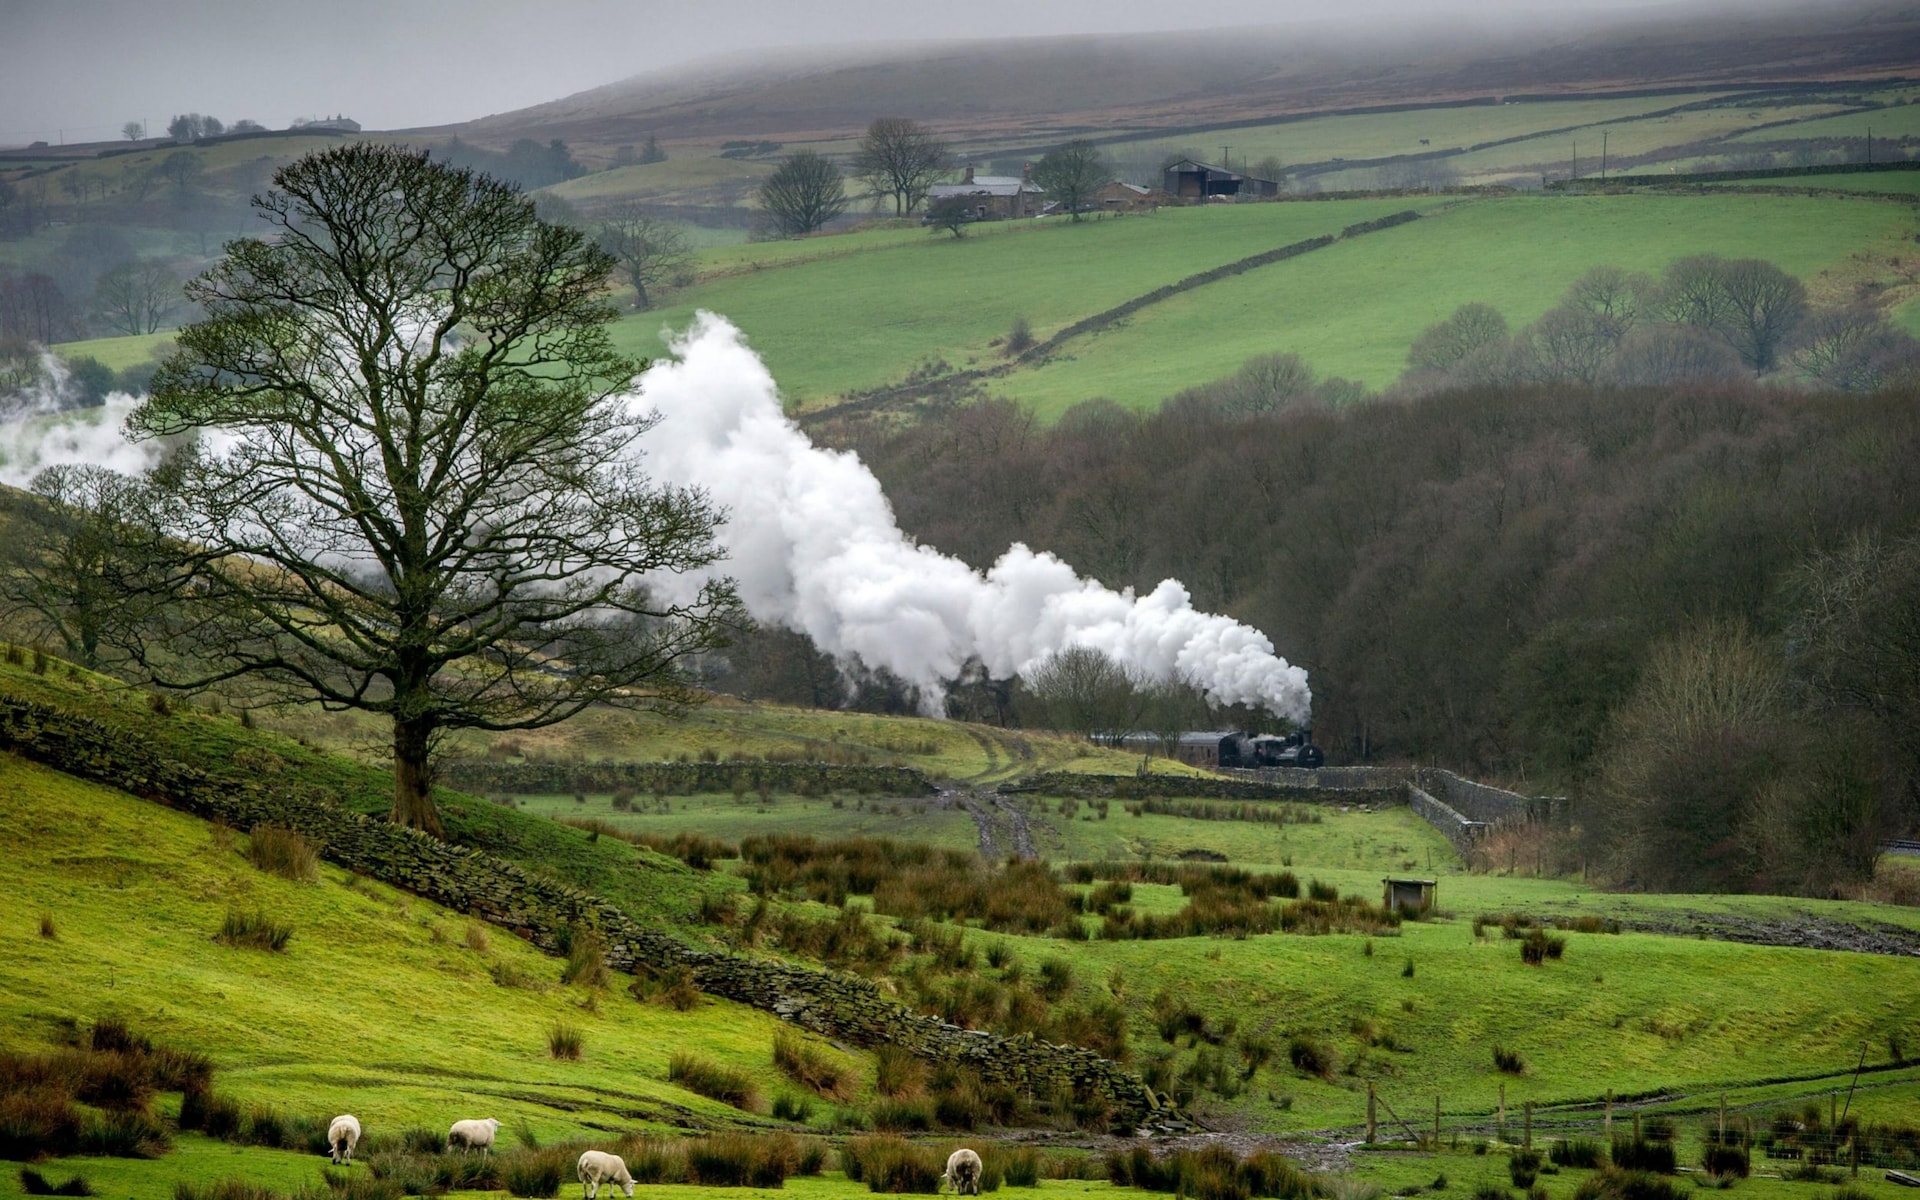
39	427
814	547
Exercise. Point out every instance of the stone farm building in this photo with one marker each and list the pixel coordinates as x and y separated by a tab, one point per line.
1129	197
1193	182
992	197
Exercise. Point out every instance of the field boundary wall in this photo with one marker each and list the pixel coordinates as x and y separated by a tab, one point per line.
544	912
482	777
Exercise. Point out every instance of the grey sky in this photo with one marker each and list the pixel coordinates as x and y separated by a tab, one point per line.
79	69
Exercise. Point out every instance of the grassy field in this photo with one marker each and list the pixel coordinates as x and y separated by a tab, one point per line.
1352	309
929	297
380	1003
1881	182
722	816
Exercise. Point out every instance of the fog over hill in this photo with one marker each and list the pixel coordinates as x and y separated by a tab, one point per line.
1113	82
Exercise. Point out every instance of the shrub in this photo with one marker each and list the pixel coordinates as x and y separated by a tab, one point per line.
1522	1167
793	1108
1726	1161
33	1183
265	1127
1585	1153
897	1074
37	1124
1538	946
1641	1155
564	1041
1022	1167
903	1116
254	931
226	1189
124	1135
809	1065
536	1172
1617	1183
1508	1061
710	1079
283	852
741	1160
1311	1056
891	1164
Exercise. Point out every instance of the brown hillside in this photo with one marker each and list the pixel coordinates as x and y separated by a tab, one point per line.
1041	88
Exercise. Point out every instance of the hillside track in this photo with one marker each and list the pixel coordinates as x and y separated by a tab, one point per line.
1000	822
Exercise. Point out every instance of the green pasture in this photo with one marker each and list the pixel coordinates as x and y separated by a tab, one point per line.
839	324
379	1005
1372	842
914	819
1381	135
119	353
678	180
1882	182
1354	308
1899	120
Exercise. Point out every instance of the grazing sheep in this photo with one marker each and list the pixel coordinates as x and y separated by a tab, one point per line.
470	1135
963	1171
342	1136
598	1167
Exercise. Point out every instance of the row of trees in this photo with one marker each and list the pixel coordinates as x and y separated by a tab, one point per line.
1704	318
1521	581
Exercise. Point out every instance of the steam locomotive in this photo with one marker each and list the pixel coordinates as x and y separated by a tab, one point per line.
1250	751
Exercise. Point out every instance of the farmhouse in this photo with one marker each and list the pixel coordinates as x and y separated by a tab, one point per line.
1196	183
1129	197
993	197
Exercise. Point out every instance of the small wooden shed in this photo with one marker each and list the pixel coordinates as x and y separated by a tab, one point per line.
1409	895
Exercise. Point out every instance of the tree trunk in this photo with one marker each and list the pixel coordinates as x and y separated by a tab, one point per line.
412	786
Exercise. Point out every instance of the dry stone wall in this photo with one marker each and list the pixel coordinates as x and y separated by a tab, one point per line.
539	909
472	775
1201	787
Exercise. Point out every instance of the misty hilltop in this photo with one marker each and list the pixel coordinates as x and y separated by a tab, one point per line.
1114	83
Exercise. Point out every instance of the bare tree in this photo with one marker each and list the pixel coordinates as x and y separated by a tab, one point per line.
1445	345
133	131
1748	303
651	254
1071	174
1081	690
803	194
952	214
72	564
137	296
900	158
1854	349
427	502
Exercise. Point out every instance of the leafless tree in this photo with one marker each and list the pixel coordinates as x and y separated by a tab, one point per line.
650	254
952	214
427	502
137	296
803	194
133	131
1854	349
901	158
1071	174
1447	344
1748	303
1081	690
72	566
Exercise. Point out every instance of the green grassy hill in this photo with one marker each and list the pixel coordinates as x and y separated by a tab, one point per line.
1352	309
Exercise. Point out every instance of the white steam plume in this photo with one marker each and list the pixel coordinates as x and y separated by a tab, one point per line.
814	547
39	427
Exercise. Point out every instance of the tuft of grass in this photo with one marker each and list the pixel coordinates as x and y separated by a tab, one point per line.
725	1084
898	1074
809	1065
892	1164
742	1160
1616	1183
537	1172
565	1042
1508	1061
477	939
1584	1153
47	929
253	931
283	852
1311	1056
33	1183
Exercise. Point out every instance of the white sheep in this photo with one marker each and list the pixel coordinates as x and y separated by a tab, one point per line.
342	1136
598	1167
471	1135
963	1171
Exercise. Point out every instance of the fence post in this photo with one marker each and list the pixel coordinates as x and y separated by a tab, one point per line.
1503	1112
1526	1135
1636	1126
1436	1120
1723	1118
1371	1124
1607	1127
